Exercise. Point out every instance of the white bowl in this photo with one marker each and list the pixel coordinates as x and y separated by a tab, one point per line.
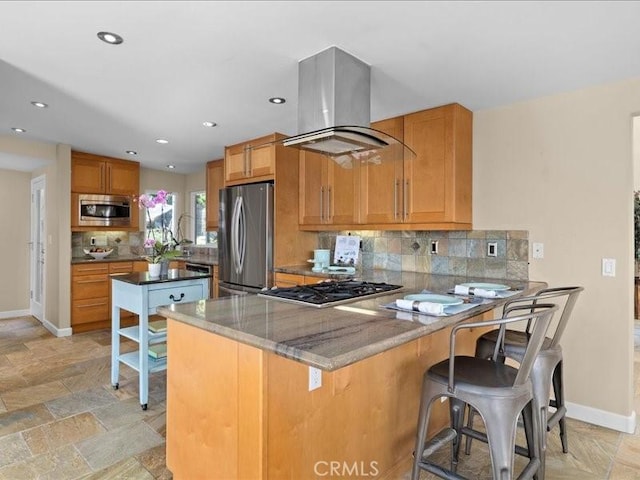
97	255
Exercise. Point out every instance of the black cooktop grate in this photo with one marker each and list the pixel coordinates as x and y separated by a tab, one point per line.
329	293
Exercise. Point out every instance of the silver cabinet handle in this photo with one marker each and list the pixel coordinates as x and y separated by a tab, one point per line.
329	213
406	200
322	204
395	199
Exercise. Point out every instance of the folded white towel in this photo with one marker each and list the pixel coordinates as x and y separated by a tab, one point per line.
477	292
424	307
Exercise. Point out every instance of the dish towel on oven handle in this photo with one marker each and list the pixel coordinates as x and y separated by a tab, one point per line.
477	292
425	307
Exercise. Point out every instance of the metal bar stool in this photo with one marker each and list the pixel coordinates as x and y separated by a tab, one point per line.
497	391
547	367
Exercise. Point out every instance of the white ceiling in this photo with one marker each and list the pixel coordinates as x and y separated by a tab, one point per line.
185	62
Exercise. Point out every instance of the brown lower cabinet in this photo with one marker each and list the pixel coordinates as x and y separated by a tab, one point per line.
283	280
268	425
91	293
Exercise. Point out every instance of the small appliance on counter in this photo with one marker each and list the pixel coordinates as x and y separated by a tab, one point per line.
320	260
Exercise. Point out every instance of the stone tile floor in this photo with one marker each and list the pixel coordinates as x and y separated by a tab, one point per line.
59	417
61	420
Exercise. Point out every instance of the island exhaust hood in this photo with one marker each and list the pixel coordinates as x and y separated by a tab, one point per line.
334	108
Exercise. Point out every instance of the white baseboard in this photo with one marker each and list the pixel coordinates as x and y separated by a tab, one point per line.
58	332
602	418
15	313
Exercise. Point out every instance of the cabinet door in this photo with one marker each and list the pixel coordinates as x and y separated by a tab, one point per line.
87	174
252	161
341	192
311	189
428	178
90	286
261	161
235	163
215	181
381	179
124	178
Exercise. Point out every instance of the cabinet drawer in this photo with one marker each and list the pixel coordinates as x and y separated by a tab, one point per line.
90	310
121	267
90	286
89	269
167	296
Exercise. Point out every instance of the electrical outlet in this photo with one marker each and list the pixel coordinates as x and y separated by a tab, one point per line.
93	240
492	249
538	250
100	240
434	247
315	378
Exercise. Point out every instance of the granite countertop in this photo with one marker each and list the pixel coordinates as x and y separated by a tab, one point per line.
308	272
333	337
201	259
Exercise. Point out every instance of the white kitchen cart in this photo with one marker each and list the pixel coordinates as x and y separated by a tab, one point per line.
139	293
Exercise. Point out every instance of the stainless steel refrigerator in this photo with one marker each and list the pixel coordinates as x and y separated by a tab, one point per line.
245	238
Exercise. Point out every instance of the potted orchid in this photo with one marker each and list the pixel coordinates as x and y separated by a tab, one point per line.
161	250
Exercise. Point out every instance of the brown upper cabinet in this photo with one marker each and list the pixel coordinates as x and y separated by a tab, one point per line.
328	191
398	192
215	181
252	161
96	174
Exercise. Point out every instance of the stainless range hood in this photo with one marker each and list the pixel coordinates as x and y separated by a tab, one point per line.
334	107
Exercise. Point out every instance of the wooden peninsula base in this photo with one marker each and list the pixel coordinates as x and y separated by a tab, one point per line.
238	412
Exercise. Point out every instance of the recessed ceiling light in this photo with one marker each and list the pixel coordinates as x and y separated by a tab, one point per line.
171	167
162	141
18	130
110	38
277	100
39	104
209	124
132	152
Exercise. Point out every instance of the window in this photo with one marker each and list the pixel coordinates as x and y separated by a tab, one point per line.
160	218
199	214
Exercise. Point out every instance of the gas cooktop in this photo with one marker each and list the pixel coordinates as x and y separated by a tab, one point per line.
326	294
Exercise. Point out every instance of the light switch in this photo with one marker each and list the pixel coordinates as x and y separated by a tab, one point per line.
608	267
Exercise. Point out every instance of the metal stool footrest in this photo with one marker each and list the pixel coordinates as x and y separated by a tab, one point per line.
439	440
469	432
441	471
556	417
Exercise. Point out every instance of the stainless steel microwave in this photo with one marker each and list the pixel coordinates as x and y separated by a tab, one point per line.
104	211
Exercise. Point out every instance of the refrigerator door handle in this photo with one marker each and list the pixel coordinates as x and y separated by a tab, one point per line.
234	234
242	235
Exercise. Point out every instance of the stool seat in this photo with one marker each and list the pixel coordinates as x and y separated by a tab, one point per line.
474	371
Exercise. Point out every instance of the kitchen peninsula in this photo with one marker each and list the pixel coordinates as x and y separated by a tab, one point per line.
238	398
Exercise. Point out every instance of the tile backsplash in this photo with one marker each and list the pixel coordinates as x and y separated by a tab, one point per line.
458	252
124	243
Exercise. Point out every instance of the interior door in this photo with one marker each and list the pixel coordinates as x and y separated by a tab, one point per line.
38	247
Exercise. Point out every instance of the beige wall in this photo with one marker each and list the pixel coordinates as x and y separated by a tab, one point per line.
15	192
561	168
58	228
